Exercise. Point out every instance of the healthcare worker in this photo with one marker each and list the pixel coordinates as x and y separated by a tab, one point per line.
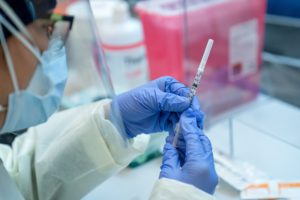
67	154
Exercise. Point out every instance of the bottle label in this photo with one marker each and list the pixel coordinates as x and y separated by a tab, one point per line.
127	64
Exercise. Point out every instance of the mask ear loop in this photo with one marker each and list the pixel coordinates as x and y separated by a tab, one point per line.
15	19
35	52
20	37
9	60
3	22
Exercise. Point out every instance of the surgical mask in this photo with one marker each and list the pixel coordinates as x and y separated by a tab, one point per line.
41	98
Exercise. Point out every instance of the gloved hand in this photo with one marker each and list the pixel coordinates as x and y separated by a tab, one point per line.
181	145
197	166
151	108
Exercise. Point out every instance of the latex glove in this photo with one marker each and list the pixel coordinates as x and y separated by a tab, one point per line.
151	108
197	167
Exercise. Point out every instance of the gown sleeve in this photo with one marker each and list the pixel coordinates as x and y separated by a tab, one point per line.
70	154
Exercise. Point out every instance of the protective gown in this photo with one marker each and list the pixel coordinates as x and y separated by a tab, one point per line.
75	151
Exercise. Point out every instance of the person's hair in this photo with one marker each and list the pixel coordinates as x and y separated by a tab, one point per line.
27	10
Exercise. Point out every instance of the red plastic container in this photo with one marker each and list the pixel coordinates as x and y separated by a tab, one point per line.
175	46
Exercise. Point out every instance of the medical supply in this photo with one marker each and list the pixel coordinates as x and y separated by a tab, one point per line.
82	74
196	82
236	173
122	39
88	74
103	11
272	190
201	69
182	30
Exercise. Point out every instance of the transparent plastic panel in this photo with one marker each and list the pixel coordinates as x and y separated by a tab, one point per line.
250	97
232	76
122	40
183	28
89	76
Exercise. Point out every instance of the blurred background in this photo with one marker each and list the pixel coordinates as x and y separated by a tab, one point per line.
249	92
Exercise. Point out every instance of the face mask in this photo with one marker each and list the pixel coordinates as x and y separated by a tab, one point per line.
41	98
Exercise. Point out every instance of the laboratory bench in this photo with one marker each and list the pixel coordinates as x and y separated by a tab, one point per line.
264	133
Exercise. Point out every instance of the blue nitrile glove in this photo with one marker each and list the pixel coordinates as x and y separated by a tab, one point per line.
197	167
181	145
151	108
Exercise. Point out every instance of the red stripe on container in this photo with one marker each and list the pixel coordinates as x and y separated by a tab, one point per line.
122	47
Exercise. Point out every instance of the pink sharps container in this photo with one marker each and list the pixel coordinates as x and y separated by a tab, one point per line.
176	35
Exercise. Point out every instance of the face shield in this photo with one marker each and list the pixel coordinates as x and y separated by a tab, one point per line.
89	76
33	25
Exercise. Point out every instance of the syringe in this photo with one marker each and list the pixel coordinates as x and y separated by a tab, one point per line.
196	83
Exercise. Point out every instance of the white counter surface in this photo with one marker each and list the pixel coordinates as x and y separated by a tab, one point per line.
266	134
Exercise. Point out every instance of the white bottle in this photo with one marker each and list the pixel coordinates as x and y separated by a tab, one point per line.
103	10
123	43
